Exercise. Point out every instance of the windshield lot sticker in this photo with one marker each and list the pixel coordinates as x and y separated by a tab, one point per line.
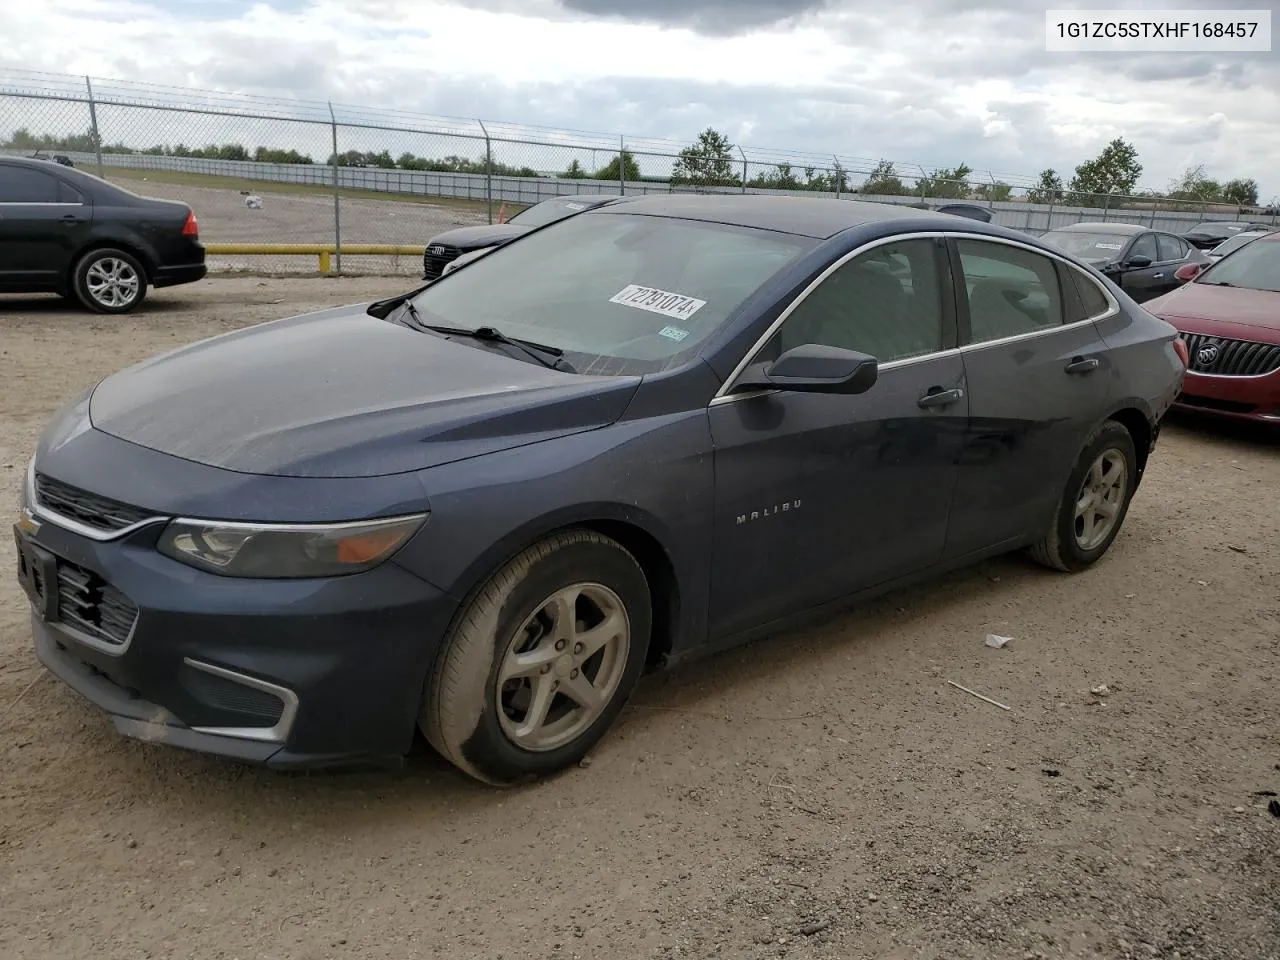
669	304
673	333
1109	246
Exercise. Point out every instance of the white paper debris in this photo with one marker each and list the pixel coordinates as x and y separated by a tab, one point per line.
997	642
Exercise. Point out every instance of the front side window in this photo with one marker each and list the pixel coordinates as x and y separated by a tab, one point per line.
1145	246
1011	291
886	302
620	294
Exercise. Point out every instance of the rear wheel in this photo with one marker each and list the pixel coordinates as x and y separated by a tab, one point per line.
541	661
1094	503
109	281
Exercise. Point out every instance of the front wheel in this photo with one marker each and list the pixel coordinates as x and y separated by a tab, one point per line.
109	281
1094	502
541	661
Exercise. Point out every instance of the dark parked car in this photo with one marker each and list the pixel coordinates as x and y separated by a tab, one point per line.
448	246
66	231
1229	315
1142	262
634	436
1208	235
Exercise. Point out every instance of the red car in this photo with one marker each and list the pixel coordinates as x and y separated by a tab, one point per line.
1229	316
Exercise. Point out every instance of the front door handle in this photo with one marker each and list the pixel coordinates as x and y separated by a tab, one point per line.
938	397
71	218
1080	365
1158	276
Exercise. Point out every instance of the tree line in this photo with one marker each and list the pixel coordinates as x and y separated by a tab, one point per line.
710	161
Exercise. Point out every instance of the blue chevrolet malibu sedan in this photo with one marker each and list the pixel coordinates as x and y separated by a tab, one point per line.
648	432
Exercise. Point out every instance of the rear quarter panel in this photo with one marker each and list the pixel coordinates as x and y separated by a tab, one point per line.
1145	369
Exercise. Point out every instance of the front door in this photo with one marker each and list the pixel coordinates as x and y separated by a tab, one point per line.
1142	283
818	496
43	221
1038	374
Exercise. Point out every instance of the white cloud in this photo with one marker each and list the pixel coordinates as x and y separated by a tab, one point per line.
921	81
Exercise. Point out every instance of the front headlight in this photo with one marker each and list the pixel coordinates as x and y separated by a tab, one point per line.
289	550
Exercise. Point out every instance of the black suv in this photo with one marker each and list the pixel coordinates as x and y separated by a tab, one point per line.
66	231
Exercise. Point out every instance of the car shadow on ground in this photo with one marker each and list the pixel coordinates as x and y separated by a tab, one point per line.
1223	431
426	785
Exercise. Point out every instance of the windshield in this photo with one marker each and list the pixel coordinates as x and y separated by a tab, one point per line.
1235	243
619	294
1255	266
548	211
1087	246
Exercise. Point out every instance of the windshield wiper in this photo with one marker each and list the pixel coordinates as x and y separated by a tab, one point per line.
382	308
547	356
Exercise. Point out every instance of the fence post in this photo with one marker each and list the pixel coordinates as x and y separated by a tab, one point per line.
743	154
622	163
93	123
488	168
337	197
836	174
1048	223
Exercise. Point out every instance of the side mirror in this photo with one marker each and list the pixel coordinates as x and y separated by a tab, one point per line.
1188	271
1137	263
814	368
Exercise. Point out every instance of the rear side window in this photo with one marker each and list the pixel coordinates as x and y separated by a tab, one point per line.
1171	248
69	194
23	185
1091	295
1011	291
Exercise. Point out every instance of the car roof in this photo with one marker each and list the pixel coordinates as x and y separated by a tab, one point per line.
816	217
1084	226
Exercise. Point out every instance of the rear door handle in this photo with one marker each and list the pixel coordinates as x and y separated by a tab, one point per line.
938	397
71	218
1080	365
1159	276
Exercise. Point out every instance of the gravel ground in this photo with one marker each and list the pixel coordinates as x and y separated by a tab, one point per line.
823	794
308	218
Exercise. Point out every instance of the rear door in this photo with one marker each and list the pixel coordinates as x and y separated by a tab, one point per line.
1037	372
43	221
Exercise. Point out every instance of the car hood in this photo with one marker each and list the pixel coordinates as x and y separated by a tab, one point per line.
1221	306
472	238
342	394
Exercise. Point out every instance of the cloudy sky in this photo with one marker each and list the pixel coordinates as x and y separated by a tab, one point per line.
930	82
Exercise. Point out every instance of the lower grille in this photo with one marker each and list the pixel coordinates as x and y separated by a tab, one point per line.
437	257
1219	356
100	513
89	604
255	707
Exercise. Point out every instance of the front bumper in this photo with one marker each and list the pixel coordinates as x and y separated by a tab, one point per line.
299	673
1255	399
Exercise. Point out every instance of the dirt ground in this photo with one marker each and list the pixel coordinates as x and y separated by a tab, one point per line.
823	794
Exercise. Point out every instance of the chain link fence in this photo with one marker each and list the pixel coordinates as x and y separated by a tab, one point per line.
259	170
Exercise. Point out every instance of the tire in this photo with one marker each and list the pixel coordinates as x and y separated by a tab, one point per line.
1071	543
485	727
109	280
